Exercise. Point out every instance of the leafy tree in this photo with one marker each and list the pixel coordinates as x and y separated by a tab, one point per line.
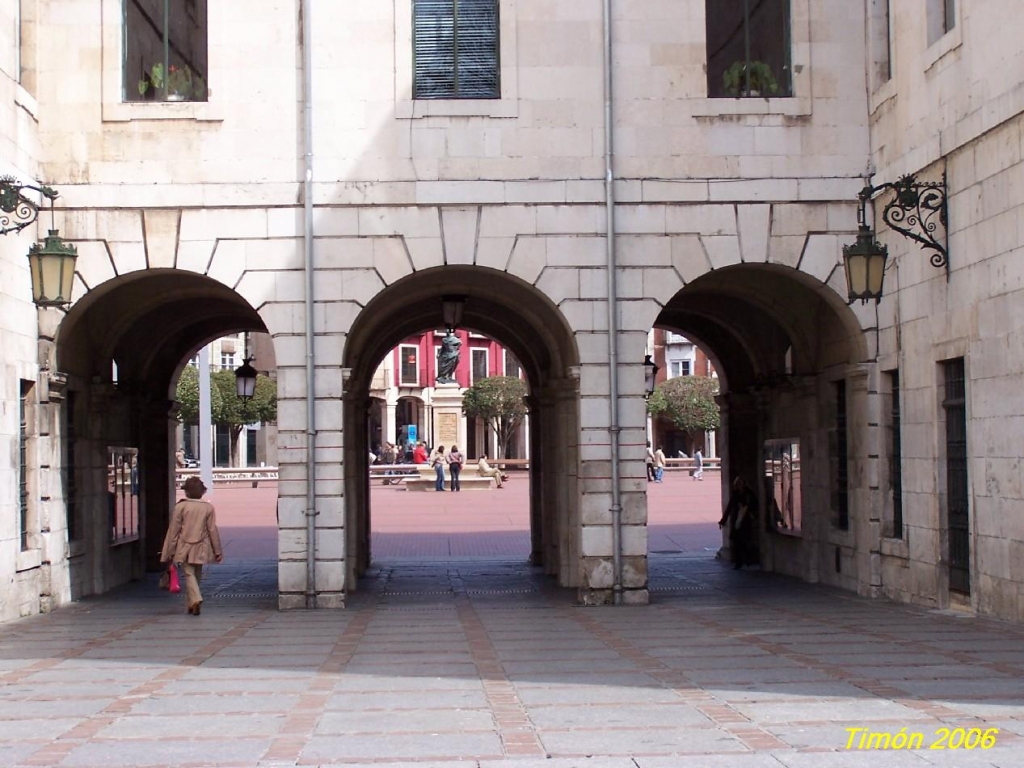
187	393
500	401
226	407
688	402
235	412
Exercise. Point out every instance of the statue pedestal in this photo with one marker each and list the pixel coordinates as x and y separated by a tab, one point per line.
449	425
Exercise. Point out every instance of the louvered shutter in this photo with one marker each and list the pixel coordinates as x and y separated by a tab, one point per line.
455	46
477	57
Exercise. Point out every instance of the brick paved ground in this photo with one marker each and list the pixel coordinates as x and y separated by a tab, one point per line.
456	662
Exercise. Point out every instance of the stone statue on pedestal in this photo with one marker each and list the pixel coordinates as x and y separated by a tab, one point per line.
448	358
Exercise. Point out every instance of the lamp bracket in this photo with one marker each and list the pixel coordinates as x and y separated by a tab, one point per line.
17	210
915	211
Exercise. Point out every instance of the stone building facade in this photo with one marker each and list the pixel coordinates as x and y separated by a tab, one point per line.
194	219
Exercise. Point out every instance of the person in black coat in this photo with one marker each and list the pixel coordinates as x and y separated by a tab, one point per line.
741	517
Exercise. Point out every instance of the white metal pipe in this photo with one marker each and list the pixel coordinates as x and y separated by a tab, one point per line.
307	263
613	325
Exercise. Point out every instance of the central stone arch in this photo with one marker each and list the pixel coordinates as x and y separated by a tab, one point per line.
529	324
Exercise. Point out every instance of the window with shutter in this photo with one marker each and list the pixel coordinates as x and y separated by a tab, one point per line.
455	49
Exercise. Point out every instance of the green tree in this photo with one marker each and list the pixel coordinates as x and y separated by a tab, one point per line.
226	407
500	401
187	394
688	402
235	413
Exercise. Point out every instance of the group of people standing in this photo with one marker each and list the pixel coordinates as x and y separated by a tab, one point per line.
655	461
442	461
453	459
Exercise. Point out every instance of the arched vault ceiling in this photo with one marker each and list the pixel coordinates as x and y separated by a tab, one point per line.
766	309
149	321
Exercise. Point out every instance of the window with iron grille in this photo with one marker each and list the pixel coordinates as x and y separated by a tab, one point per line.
954	406
70	482
165	50
409	369
455	49
748	48
123	493
895	455
26	390
838	457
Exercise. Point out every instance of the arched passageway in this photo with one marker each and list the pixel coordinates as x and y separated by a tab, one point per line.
788	351
531	327
122	348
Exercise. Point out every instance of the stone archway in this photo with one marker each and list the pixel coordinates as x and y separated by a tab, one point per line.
532	328
787	346
121	348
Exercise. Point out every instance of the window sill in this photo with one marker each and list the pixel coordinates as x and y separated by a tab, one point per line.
895	548
127	111
26	101
126	540
793	106
798	535
882	94
948	43
414	109
28	560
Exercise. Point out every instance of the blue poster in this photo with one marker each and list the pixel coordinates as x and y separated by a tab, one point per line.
411	433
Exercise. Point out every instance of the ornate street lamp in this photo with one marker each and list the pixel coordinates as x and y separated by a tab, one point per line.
650	373
865	265
52	262
452	308
245	380
52	267
915	212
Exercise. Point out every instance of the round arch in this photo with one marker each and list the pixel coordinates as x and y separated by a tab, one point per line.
122	347
527	323
785	346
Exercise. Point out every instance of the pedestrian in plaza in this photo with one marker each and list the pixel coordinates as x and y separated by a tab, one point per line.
455	460
192	540
484	469
659	465
437	461
698	465
649	461
419	453
741	517
179	458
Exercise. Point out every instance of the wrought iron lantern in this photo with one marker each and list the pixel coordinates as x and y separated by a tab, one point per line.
650	375
245	380
52	262
916	211
865	265
52	267
452	308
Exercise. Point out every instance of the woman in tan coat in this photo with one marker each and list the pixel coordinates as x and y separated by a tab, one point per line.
193	540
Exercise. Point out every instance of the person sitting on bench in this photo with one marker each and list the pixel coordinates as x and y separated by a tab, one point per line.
486	470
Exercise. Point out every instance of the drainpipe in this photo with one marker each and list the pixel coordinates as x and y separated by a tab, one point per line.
307	265
613	326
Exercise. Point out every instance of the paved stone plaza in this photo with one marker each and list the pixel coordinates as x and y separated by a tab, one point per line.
442	663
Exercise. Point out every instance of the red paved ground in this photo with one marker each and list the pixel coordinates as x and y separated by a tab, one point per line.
683	516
